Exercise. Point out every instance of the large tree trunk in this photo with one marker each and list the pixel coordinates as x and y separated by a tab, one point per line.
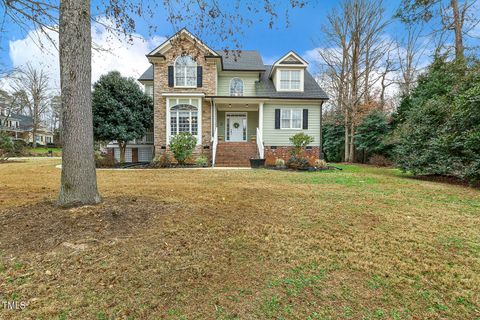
79	181
458	26
122	146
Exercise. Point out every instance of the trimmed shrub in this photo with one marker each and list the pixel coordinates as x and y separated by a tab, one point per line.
162	161
296	163
280	163
182	146
201	161
322	164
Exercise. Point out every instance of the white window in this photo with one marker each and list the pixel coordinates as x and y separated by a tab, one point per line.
185	72
149	90
290	79
184	118
236	87
291	118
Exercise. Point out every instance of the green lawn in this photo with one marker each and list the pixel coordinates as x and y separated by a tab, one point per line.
44	150
361	243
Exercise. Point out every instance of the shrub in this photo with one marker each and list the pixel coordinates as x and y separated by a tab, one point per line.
334	140
162	161
295	162
379	160
6	145
300	141
201	161
104	160
320	163
182	146
280	163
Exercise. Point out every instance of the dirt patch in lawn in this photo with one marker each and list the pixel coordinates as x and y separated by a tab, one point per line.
44	227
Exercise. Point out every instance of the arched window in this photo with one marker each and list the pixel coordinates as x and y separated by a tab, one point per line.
236	87
183	118
185	72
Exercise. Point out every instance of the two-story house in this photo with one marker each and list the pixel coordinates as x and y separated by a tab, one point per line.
235	105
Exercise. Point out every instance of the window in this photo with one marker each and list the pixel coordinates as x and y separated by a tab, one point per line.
236	87
290	79
291	119
149	90
185	72
184	118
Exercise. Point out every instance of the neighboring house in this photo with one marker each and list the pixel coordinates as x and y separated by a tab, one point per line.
236	106
20	128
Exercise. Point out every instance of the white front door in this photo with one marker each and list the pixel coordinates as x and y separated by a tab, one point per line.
236	126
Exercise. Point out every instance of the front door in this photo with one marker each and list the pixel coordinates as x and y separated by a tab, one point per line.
236	126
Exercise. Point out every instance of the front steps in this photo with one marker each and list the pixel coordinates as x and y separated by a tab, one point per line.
235	154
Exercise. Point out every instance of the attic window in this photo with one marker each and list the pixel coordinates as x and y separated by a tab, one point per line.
290	79
236	87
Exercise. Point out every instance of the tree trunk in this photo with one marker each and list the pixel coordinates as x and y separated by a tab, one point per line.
122	146
79	181
346	126
34	137
458	26
352	145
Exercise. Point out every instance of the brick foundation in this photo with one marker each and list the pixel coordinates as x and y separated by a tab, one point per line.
271	155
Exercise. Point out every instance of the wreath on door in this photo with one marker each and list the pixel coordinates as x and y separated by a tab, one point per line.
236	125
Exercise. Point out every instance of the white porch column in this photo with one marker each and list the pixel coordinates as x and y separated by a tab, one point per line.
260	119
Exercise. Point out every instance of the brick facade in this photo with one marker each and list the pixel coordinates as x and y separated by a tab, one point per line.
184	45
271	155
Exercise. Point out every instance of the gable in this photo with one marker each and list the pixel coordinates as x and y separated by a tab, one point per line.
181	36
290	59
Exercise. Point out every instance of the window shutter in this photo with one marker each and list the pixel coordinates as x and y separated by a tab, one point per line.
277	118
305	118
170	76
199	76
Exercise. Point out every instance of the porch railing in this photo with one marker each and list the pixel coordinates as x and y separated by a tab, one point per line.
260	144
214	146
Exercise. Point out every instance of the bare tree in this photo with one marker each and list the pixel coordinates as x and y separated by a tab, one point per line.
409	52
31	86
457	16
78	184
356	50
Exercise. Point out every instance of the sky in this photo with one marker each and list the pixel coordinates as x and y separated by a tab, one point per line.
303	35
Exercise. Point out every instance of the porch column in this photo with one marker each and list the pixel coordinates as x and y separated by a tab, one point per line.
260	119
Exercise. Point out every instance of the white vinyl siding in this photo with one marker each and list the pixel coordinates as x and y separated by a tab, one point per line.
280	137
145	154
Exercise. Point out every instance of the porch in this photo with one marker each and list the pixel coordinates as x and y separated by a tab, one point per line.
237	132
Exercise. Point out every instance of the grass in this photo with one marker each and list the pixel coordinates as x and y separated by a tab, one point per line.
361	243
42	150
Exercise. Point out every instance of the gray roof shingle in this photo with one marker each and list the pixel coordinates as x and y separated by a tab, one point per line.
249	60
147	75
311	90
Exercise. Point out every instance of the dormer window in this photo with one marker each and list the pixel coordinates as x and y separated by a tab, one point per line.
185	72
236	87
290	79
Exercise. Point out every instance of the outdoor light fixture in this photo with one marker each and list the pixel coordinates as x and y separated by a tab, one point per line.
230	105
246	105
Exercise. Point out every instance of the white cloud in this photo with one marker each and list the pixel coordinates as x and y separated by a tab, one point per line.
115	53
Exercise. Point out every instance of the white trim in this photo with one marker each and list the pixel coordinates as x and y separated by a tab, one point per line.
278	79
199	120
167	43
246	125
260	118
174	94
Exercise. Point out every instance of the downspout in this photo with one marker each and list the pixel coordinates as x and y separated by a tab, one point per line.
320	147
